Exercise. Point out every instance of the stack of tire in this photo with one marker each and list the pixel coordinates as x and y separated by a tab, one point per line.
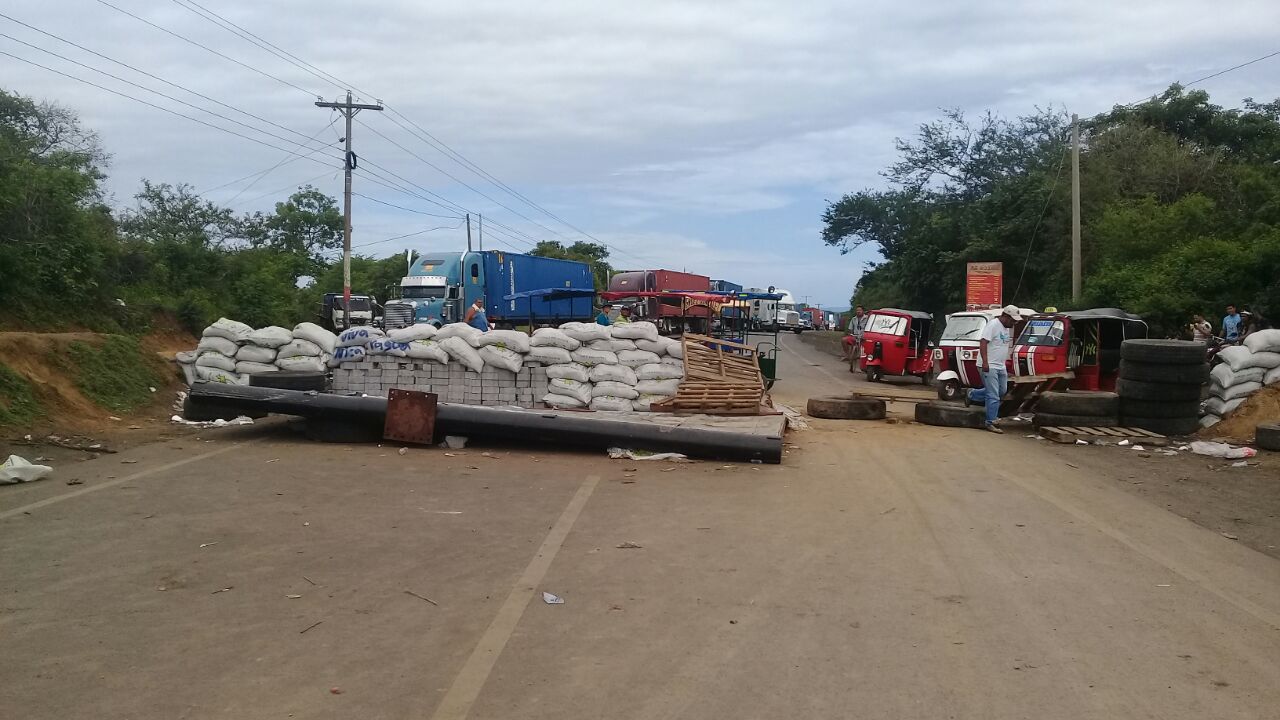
1160	385
1077	409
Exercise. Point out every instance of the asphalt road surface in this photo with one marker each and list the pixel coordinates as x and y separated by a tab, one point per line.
885	570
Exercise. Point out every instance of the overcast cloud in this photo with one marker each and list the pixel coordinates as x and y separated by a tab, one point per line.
691	135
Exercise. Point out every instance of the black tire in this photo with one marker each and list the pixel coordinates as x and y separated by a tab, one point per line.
1164	426
1163	352
1097	404
203	410
1157	409
950	391
343	431
291	380
1169	392
1267	436
947	415
924	378
1044	419
1156	373
846	408
874	373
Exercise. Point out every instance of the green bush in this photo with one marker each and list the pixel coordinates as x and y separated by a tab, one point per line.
117	375
18	404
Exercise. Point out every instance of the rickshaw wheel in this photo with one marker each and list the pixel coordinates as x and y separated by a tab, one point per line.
924	378
874	373
949	390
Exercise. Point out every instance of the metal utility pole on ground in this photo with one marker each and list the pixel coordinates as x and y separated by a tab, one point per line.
1075	208
348	110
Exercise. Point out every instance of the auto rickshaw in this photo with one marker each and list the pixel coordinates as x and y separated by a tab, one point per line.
1084	342
955	359
896	342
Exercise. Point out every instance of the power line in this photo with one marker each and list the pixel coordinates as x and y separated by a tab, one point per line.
412	234
1056	176
284	161
290	186
401	207
1233	68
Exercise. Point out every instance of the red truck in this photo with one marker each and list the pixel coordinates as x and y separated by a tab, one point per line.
815	317
671	314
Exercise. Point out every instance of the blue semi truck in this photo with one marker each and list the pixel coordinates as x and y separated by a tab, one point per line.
441	286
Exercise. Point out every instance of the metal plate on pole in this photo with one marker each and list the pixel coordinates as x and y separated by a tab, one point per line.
411	416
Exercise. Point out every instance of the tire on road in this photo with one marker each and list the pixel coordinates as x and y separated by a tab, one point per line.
1267	436
291	380
1139	390
1098	404
1164	426
1044	419
334	430
1157	373
846	408
1163	352
949	415
1159	409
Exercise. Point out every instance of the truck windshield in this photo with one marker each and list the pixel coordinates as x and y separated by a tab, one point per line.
1042	332
358	304
419	292
964	327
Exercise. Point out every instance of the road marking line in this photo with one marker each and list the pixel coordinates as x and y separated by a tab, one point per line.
112	483
471	678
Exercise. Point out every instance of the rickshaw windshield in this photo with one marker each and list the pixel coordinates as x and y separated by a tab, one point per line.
964	327
1042	332
887	324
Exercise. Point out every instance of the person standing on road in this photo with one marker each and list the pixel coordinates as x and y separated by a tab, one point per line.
476	316
993	352
1231	325
852	341
1201	330
603	317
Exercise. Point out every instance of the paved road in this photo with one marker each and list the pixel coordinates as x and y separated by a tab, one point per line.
884	570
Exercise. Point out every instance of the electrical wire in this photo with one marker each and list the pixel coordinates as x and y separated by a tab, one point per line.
1030	244
287	159
290	186
406	235
1197	81
401	207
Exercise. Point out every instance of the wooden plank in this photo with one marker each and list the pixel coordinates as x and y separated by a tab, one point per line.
1059	435
1113	432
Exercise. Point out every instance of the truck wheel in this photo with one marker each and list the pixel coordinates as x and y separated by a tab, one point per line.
950	391
1044	419
1097	404
874	373
930	413
1164	426
1267	436
1163	352
846	408
1160	373
1139	390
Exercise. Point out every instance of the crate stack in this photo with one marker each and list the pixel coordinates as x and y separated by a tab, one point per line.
1161	384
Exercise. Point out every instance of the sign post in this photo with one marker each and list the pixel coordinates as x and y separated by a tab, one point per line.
984	286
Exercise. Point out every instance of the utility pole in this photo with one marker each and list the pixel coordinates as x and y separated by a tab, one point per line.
348	110
1075	208
468	232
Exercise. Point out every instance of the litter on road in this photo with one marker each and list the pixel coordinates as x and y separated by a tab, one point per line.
17	470
550	599
621	454
1222	450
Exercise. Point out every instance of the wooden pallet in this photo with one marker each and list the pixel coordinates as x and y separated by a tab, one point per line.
720	378
1108	434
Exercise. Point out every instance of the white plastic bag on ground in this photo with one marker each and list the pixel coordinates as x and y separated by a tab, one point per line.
427	350
298	348
236	332
580	391
551	337
585	332
17	470
1209	420
462	351
1222	450
218	344
302	363
421	331
657	347
460	330
245	367
1221	408
352	337
501	357
216	360
217	375
386	346
658	387
556	400
346	355
613	373
256	354
638	330
610	404
1263	341
614	389
636	358
510	339
271	336
569	371
590	358
643	403
659	371
1238	390
317	335
548	355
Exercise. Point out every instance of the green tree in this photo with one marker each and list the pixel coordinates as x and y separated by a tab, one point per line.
306	225
594	254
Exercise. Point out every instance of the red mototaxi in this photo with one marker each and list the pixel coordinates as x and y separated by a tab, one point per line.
955	359
896	342
1083	342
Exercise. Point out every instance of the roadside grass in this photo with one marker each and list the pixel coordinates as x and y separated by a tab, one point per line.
18	404
117	375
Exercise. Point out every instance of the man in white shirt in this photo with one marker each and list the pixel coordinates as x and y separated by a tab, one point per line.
993	353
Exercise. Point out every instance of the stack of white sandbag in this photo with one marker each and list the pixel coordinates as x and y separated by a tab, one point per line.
310	349
215	356
618	367
1244	370
258	353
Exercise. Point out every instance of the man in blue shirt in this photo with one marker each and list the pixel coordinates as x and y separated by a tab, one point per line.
603	317
1231	325
476	316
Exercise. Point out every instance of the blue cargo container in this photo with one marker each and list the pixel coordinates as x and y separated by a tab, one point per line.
725	286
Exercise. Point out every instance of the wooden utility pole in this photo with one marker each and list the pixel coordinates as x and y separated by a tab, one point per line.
348	110
1075	208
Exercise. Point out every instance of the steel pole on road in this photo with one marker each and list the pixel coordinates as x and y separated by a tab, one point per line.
1075	208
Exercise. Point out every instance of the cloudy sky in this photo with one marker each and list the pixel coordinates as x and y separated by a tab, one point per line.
689	135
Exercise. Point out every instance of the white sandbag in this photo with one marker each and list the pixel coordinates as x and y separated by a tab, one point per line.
387	346
551	337
344	355
246	367
1236	391
421	331
643	403
1218	406
657	347
591	358
569	371
675	348
301	363
510	339
298	348
548	355
218	344
611	345
636	358
1209	420
638	330
580	391
236	332
658	387
271	336
674	362
427	350
556	400
1224	377
1272	377
659	371
608	403
585	332
1263	341
216	360
217	375
500	357
186	357
315	334
459	349
614	389
460	330
1236	357
256	354
613	373
1266	360
358	336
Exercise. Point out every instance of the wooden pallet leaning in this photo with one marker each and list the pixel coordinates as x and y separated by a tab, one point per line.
720	378
1109	434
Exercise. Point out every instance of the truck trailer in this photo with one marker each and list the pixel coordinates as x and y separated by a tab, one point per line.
670	314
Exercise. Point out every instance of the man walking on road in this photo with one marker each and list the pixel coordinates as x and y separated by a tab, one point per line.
993	352
852	342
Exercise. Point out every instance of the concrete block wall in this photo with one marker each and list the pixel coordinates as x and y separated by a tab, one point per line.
453	383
